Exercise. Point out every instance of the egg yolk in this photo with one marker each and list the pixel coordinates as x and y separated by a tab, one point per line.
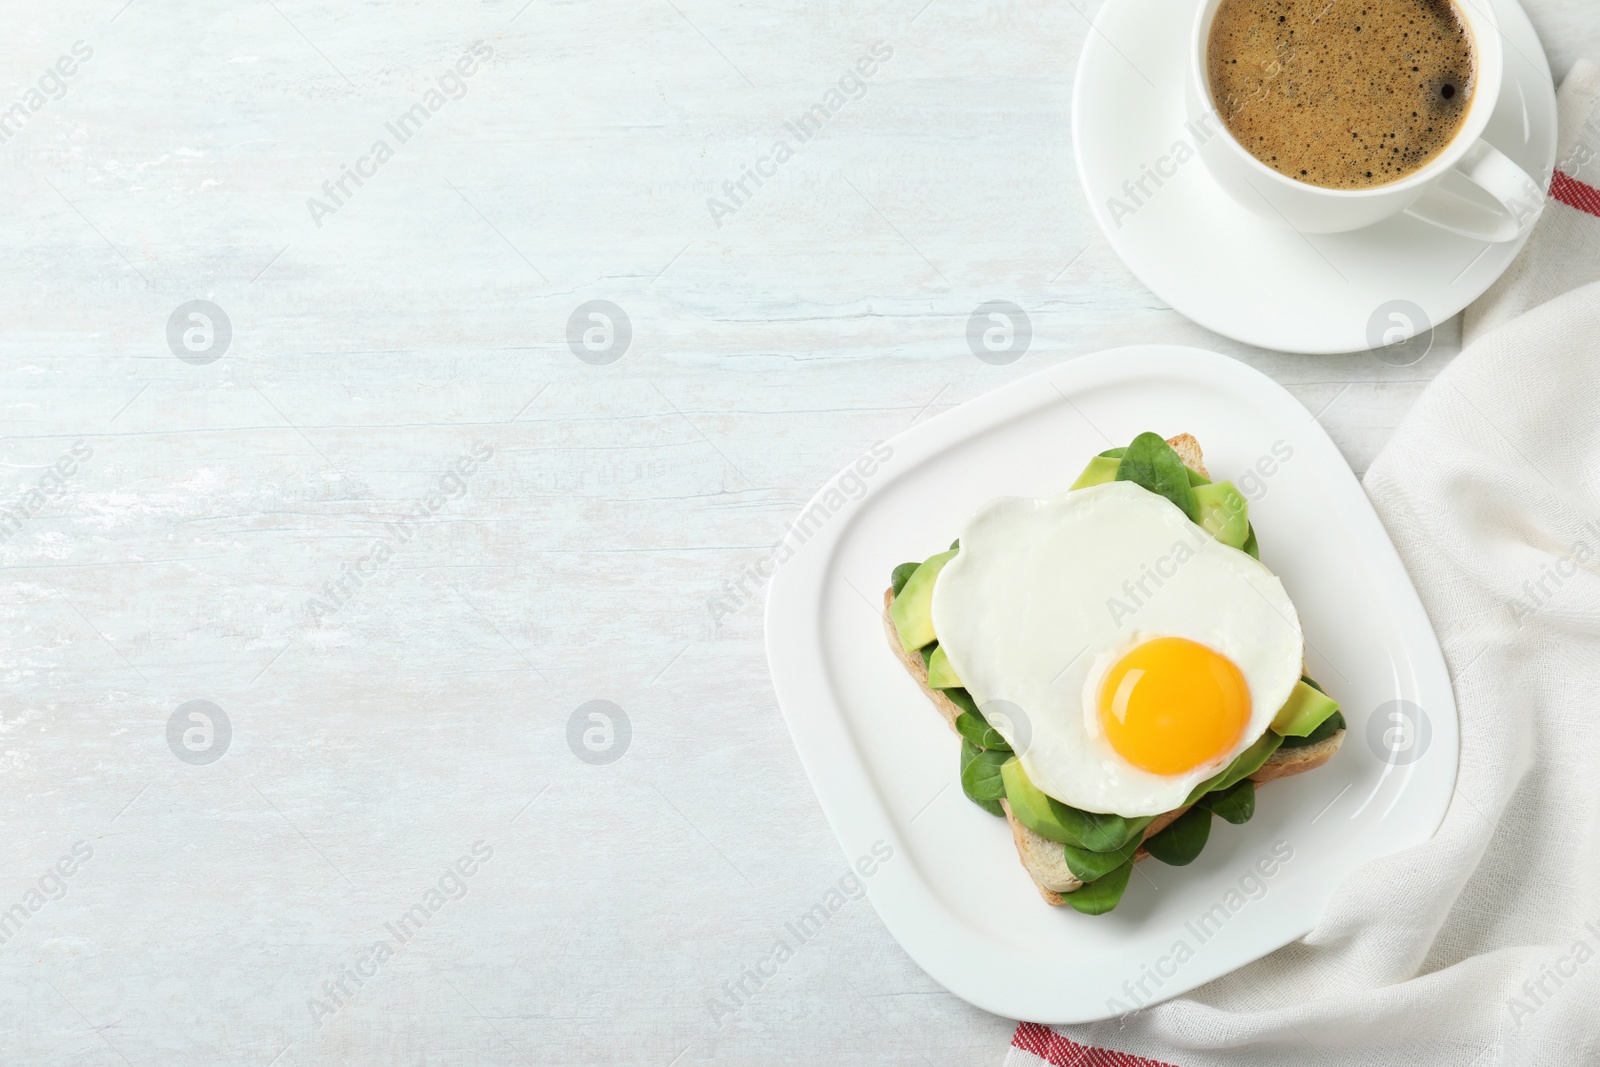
1170	705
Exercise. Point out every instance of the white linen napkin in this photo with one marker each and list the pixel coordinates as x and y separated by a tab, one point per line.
1482	946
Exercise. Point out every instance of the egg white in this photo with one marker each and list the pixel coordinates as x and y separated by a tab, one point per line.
1046	595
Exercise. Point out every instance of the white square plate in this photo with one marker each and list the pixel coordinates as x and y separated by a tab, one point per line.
885	766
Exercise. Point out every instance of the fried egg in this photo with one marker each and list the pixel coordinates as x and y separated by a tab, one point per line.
1124	653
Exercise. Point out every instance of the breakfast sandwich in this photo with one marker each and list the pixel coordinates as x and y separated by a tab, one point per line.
1119	665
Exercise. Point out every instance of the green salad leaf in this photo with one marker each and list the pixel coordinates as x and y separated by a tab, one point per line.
1181	842
1151	463
980	777
976	729
971	723
1087	866
963	700
1102	894
1236	804
1098	832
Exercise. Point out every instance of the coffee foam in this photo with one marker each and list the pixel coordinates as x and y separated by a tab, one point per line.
1344	94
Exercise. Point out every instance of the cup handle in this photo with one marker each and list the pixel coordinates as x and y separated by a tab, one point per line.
1484	165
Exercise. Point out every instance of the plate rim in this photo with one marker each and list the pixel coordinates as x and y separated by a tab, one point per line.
964	960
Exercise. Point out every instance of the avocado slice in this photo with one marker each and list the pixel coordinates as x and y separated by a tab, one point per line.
940	674
1101	469
1032	807
1223	512
912	610
1243	766
1249	761
902	574
1330	726
1304	711
1048	817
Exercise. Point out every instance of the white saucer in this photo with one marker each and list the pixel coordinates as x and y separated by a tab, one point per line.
1247	278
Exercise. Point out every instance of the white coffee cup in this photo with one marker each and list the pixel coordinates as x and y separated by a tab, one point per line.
1471	188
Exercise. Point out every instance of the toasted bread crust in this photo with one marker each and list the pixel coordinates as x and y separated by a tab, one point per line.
1288	762
1043	858
1188	450
912	662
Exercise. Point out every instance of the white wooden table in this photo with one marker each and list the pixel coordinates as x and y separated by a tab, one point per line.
192	542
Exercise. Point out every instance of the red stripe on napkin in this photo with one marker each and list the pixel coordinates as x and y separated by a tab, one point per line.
1059	1051
1573	193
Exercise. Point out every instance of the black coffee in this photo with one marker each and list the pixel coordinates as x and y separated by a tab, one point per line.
1344	94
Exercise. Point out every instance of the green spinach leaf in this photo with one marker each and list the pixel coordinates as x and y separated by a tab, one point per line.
1095	831
1087	866
963	700
1102	894
1236	804
1181	842
980	777
972	724
976	729
1151	463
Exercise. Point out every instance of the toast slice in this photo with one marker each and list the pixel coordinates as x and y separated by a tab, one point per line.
1043	858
